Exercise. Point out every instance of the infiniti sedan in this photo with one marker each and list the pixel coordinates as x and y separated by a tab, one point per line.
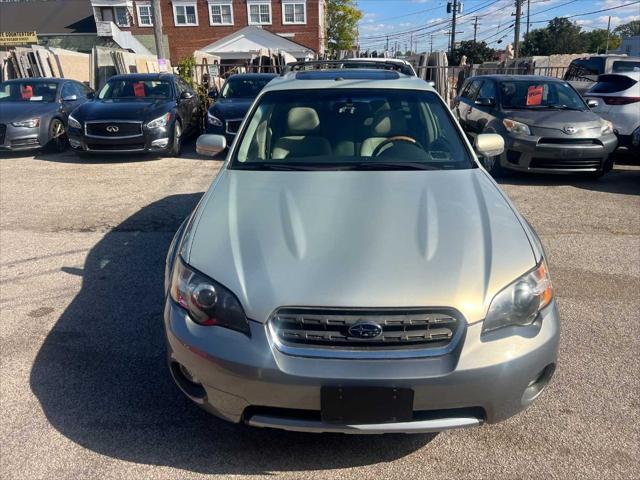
354	269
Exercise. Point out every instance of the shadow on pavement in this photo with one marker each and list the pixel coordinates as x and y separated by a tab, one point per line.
102	380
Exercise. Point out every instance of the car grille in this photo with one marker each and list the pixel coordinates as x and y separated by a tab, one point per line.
233	126
3	132
566	163
110	147
414	328
105	129
570	141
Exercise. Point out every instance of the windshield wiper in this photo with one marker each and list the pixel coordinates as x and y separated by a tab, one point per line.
390	166
276	167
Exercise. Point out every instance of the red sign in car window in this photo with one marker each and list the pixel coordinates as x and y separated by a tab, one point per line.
534	95
26	91
138	89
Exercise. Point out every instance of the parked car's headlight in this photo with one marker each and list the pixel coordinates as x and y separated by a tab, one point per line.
516	127
215	121
162	121
520	302
31	123
607	127
73	122
207	302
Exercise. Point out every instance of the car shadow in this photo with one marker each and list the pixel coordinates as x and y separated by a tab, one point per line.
621	180
102	381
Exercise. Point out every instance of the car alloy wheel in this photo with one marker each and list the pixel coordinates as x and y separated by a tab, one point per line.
57	135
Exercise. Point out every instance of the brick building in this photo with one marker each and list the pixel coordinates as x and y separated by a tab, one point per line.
190	25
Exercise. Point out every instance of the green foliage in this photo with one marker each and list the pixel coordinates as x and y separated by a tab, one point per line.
628	29
562	36
476	52
342	24
186	71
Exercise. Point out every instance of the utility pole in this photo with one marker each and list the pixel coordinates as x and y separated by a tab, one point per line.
411	42
516	33
431	43
157	29
475	29
387	49
528	15
453	29
606	48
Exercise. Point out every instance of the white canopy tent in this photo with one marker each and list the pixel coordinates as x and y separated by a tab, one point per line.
252	41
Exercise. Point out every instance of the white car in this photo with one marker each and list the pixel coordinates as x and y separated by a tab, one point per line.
618	96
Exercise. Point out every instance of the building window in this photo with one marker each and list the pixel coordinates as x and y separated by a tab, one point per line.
294	12
260	13
185	14
145	17
122	16
221	12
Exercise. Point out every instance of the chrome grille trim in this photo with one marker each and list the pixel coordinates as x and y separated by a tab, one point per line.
118	137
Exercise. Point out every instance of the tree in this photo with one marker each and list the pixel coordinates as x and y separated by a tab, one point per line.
560	36
476	52
342	24
596	41
628	29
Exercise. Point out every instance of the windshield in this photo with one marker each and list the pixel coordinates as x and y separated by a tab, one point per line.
340	129
525	94
28	91
625	66
243	87
136	89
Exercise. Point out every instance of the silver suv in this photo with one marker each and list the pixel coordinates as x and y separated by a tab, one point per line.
354	269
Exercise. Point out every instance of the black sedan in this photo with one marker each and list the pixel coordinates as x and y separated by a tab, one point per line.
34	111
226	114
137	113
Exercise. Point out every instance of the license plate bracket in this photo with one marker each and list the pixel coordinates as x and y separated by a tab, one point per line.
366	405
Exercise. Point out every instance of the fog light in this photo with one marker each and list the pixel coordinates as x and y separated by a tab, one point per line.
160	143
538	384
188	375
74	143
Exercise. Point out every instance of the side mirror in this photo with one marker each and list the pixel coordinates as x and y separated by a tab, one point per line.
186	95
592	103
485	102
91	95
211	145
213	94
70	98
489	144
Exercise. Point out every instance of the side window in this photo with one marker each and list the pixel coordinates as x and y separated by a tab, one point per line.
81	90
471	90
179	88
68	90
488	90
182	86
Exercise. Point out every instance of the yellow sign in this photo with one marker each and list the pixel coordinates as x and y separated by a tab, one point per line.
18	38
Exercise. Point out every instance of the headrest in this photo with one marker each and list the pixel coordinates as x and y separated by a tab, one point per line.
302	120
389	122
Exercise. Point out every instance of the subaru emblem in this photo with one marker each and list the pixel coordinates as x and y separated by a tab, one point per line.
365	329
113	128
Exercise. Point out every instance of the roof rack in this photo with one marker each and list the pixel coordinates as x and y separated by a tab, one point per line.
348	63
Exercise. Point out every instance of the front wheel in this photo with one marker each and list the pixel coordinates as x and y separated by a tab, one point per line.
177	140
57	136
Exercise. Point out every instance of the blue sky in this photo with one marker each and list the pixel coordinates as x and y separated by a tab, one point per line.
495	19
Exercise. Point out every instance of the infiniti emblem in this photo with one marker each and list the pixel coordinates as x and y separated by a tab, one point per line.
570	130
112	128
365	329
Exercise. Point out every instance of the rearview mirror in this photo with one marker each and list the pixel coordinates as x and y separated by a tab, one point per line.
592	103
485	102
489	144
211	145
91	95
213	94
186	95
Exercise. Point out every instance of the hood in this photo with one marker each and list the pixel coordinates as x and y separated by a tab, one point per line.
557	119
123	109
359	239
17	111
231	108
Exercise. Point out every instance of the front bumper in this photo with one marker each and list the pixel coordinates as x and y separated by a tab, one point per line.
247	379
20	138
220	130
151	140
541	154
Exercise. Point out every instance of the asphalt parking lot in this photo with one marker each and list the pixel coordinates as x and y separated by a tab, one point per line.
85	392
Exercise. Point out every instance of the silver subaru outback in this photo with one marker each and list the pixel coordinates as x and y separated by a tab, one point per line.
354	269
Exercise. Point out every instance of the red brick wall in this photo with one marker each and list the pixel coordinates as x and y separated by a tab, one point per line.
184	40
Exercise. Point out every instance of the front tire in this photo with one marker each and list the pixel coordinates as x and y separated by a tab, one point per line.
177	140
57	138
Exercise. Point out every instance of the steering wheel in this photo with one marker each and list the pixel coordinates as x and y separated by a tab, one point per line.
397	138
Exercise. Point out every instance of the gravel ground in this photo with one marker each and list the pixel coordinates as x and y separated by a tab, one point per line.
84	388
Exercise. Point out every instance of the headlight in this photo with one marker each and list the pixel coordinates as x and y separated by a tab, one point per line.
31	123
162	121
215	121
73	122
516	127
520	302
607	127
206	301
